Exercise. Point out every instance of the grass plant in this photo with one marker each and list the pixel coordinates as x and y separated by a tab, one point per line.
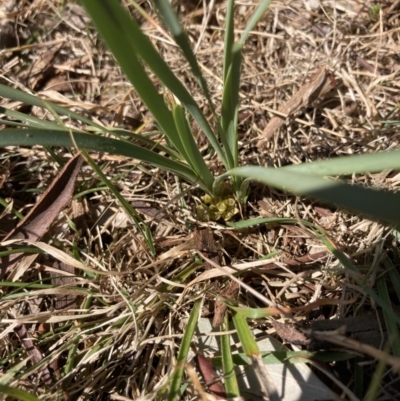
172	147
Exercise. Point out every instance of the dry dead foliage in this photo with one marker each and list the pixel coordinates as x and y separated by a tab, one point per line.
320	79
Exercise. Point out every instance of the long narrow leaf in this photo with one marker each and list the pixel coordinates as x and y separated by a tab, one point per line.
183	352
250	348
231	384
128	43
358	164
171	21
19	96
193	155
376	204
391	325
120	33
256	16
29	137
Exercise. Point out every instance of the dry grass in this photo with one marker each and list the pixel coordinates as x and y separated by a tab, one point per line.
123	336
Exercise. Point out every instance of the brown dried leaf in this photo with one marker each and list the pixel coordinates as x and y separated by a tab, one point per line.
38	220
207	371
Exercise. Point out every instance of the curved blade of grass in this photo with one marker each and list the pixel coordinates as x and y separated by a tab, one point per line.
230	101
29	137
193	155
28	120
122	134
358	164
17	393
183	352
230	98
376	381
232	68
230	381
121	35
378	205
353	271
128	43
19	96
264	220
140	224
251	350
171	21
258	13
391	325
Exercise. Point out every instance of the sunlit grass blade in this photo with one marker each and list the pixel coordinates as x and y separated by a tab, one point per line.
122	35
17	393
28	119
358	164
250	348
30	137
19	96
129	44
193	155
230	99
230	381
378	205
176	379
174	26
265	220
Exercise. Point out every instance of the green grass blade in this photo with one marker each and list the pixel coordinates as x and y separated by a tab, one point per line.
17	394
183	352
391	325
264	220
358	164
231	384
250	348
28	120
378	205
19	96
230	102
352	270
376	382
121	34
230	97
258	13
193	155
229	37
171	21
30	137
140	224
249	345
129	44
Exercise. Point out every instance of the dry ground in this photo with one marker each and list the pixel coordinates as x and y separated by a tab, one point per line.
52	51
